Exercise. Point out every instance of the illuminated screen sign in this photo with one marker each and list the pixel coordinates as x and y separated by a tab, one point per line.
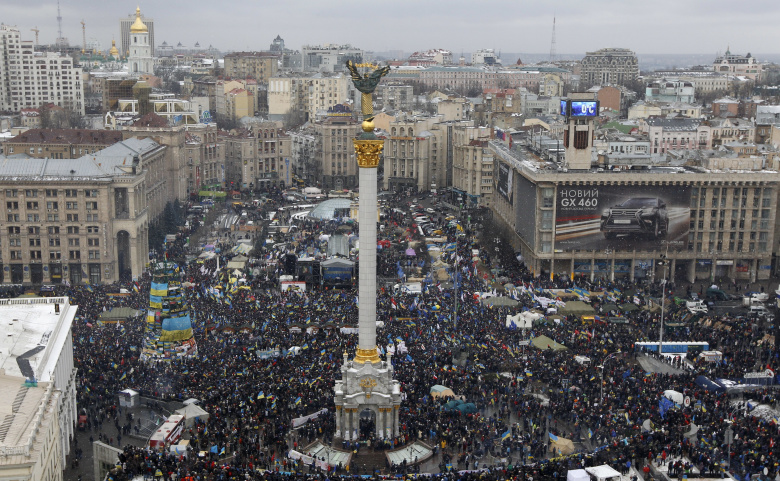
565	108
584	108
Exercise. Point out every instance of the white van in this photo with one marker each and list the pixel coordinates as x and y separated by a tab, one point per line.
759	310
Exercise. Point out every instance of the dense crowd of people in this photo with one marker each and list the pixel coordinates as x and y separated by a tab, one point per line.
526	397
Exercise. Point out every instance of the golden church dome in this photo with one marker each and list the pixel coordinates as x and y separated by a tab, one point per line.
114	52
138	26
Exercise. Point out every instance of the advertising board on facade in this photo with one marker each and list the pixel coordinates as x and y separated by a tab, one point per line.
505	178
621	217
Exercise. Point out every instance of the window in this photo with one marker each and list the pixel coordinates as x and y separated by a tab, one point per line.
52	205
92	217
14	230
92	206
91	193
33	218
31	193
53	230
54	242
74	242
35	255
12	205
32	206
15	242
71	193
34	241
94	254
73	229
93	242
93	229
72	205
55	255
51	192
11	192
53	217
74	255
16	255
72	218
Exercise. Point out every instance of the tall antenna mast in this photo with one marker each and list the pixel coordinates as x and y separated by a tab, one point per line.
59	21
552	43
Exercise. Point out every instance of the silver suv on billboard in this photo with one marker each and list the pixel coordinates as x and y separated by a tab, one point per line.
646	216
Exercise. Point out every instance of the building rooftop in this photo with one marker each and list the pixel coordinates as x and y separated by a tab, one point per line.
24	409
112	161
33	336
68	136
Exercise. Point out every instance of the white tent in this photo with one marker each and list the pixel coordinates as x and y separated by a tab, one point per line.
577	475
674	396
523	320
192	413
602	473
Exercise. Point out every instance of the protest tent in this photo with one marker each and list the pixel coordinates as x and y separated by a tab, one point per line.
192	413
577	308
675	396
500	302
602	473
522	320
577	475
441	391
116	314
561	446
544	342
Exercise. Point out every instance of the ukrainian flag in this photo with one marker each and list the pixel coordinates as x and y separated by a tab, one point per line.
261	395
298	401
506	435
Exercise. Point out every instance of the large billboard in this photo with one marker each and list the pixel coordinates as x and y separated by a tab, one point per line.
504	185
622	217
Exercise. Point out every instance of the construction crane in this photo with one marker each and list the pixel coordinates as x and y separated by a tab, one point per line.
36	33
84	36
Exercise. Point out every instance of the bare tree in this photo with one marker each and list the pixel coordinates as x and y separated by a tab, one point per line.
293	119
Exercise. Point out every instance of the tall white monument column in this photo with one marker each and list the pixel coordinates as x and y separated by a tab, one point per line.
367	381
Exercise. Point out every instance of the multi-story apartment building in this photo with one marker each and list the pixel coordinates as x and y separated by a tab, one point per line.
674	134
724	131
80	219
434	56
740	65
329	58
273	167
303	147
609	66
338	168
670	90
29	79
704	81
472	165
478	78
204	157
394	96
124	33
260	66
61	143
485	57
309	94
240	158
766	117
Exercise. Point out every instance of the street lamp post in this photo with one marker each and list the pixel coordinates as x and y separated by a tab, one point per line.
603	364
664	262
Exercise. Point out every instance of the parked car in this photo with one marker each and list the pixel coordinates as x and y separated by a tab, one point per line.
638	215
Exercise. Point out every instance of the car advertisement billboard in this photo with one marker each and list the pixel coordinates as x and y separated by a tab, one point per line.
504	184
622	217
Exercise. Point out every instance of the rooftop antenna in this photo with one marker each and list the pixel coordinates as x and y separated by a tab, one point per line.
59	21
552	43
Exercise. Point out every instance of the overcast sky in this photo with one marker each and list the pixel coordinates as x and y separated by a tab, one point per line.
658	26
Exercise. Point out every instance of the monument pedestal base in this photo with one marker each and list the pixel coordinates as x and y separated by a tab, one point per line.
367	389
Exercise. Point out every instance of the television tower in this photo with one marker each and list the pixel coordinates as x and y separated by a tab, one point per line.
552	44
61	41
